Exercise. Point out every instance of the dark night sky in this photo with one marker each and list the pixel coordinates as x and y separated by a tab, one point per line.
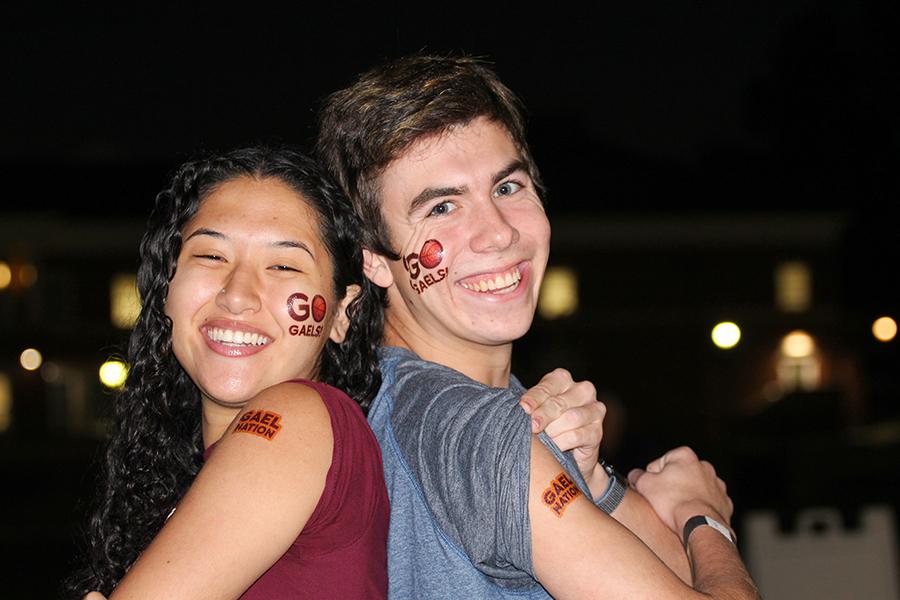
787	105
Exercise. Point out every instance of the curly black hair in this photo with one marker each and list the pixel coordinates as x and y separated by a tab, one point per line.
156	448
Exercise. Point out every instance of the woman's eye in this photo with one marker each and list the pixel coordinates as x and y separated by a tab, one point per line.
214	257
507	188
443	208
285	268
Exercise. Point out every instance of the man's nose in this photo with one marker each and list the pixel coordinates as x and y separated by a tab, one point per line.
492	229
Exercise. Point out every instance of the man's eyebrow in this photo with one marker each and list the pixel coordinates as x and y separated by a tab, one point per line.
429	194
516	165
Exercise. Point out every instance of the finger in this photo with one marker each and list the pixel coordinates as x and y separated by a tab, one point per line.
552	384
586	438
533	398
560	419
580	394
682	454
634	475
657	465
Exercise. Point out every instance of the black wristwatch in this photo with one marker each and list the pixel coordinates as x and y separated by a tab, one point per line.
615	490
702	520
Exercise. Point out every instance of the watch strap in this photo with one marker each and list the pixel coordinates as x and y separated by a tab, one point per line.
701	520
615	490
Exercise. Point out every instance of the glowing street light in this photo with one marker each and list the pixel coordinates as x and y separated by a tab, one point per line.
559	293
30	359
5	275
884	329
726	335
113	373
798	344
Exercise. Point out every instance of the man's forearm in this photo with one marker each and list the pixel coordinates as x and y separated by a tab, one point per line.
717	567
638	516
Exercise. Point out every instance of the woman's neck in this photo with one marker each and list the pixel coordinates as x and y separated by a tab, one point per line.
215	420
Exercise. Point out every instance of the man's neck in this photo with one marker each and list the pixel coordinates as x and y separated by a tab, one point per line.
489	365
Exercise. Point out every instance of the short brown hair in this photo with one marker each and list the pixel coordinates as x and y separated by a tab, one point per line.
365	127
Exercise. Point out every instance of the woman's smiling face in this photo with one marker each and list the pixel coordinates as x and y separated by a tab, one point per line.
252	301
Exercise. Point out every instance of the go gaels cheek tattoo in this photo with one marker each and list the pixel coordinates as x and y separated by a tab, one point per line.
560	494
429	257
300	309
264	423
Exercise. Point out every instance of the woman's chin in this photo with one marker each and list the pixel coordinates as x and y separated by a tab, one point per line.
230	396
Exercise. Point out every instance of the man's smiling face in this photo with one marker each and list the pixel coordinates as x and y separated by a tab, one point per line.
473	236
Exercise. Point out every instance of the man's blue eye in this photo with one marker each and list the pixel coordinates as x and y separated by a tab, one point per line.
442	209
507	188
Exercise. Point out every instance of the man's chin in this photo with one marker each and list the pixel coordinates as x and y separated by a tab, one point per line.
498	335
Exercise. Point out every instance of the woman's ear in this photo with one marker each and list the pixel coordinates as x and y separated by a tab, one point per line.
341	321
375	266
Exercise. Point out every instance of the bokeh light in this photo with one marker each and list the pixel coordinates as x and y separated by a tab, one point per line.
113	373
51	372
559	293
884	329
28	275
726	335
5	275
30	359
124	302
798	344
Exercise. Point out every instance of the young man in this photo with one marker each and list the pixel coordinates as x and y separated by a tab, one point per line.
432	153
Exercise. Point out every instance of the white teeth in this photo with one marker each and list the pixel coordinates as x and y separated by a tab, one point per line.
500	282
229	336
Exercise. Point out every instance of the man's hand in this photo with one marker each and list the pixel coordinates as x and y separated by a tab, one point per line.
94	596
573	418
678	486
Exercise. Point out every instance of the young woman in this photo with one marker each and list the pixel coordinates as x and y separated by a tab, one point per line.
257	324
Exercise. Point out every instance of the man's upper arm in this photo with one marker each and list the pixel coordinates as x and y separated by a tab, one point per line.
468	449
581	552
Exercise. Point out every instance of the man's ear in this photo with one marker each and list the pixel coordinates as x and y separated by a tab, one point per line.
341	321
376	268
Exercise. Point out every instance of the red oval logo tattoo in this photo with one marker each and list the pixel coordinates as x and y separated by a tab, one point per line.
432	254
318	308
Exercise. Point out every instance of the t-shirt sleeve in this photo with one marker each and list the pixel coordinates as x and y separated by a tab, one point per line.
469	447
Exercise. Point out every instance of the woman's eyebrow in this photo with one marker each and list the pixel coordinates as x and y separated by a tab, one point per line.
279	244
293	244
204	231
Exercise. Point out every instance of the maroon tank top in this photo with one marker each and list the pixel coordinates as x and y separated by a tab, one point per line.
342	551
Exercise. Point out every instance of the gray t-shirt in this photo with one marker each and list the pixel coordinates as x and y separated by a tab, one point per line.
457	458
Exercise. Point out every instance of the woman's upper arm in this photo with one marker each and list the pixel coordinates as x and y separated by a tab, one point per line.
579	551
247	505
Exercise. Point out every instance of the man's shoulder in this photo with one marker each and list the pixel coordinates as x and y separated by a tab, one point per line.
400	363
414	384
